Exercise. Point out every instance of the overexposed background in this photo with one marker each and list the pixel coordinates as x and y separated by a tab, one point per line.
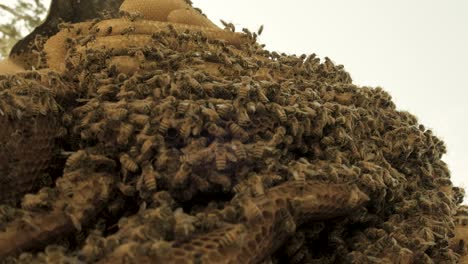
417	50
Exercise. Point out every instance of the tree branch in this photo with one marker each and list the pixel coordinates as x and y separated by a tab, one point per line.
13	12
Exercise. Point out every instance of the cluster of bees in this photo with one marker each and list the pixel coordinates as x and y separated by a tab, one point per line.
193	144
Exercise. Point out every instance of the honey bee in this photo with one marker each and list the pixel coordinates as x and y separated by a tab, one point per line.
295	244
256	186
243	91
97	129
128	163
235	234
164	202
127	31
82	41
133	151
249	33
76	222
75	159
230	214
42	108
403	255
211	114
238	132
369	181
221	179
328	140
105	192
294	125
251	211
88	107
375	233
127	190
182	174
260	30
261	95
425	204
107	89
445	208
251	107
192	83
239	150
153	81
243	118
278	109
164	125
117	114
149	177
183	107
127	250
124	94
201	183
6	109
215	130
138	119
300	179
285	222
109	30
224	59
184	223
26	222
224	110
53	106
141	106
125	131
31	202
258	150
163	158
208	221
241	187
186	128
228	26
278	137
270	179
220	158
140	56
65	26
18	102
116	206
299	256
148	145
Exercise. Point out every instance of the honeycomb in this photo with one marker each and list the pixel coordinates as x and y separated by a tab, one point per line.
26	153
29	126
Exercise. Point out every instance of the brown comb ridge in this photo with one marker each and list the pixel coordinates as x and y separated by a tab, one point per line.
158	16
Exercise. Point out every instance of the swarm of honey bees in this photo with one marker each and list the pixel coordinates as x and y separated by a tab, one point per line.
156	137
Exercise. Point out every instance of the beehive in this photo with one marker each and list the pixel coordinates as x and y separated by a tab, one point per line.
223	152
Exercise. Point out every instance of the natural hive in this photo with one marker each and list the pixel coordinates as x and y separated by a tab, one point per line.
193	144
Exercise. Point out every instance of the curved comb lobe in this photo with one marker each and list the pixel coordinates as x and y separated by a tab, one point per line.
72	11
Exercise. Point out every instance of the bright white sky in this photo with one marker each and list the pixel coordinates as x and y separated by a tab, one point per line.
417	50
